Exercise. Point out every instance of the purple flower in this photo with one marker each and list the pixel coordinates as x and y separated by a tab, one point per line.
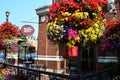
66	28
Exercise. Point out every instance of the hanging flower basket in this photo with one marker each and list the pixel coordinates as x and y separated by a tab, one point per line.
73	22
111	39
8	37
7	30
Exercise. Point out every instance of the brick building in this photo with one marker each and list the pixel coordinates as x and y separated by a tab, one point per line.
49	52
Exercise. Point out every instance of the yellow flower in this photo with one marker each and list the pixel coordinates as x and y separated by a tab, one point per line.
69	44
87	30
82	32
78	15
56	19
99	8
96	25
77	11
77	38
90	28
100	34
15	39
93	31
85	35
66	14
93	37
97	30
73	42
66	19
85	15
61	21
95	15
102	27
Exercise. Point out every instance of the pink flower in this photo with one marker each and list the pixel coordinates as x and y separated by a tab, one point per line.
72	33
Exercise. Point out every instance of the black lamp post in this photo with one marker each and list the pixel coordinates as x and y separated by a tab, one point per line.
7	15
25	46
19	42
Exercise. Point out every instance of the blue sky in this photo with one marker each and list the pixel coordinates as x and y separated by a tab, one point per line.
21	10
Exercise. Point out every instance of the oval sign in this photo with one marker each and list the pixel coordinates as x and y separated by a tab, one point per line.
27	30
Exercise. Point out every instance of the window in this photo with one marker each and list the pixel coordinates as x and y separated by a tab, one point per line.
42	18
111	6
53	1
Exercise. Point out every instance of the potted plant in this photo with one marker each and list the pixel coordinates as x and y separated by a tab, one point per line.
74	22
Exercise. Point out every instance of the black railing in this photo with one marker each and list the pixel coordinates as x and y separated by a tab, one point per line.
106	74
26	73
38	74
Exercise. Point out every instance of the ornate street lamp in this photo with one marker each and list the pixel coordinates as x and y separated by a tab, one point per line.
7	15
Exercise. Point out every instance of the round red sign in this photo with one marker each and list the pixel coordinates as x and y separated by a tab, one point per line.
27	30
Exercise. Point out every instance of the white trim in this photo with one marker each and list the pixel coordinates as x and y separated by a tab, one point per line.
106	59
41	57
50	58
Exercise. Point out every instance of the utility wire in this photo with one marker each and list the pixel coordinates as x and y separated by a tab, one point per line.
29	21
32	18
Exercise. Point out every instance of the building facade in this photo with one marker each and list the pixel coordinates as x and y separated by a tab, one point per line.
49	53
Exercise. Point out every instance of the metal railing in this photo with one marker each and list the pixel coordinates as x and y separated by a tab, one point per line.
106	74
37	74
26	73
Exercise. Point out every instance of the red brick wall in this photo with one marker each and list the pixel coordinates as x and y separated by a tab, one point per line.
42	38
109	15
46	47
52	48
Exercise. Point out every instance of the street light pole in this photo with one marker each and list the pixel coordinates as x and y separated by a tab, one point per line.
26	58
19	42
7	15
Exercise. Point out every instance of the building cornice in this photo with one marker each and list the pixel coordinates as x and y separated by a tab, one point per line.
42	10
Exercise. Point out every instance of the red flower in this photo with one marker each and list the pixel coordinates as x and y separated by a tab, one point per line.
65	6
111	24
7	30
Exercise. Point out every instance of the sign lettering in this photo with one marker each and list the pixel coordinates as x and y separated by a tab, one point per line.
27	30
